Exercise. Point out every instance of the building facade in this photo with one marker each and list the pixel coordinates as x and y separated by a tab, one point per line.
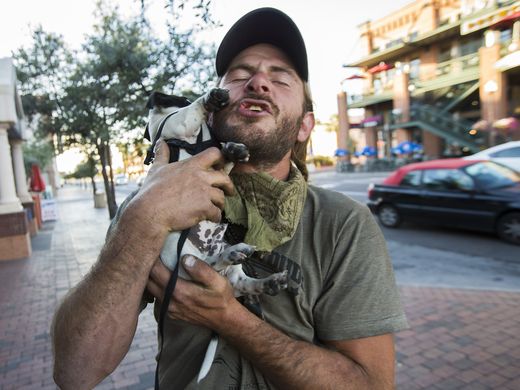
443	74
16	204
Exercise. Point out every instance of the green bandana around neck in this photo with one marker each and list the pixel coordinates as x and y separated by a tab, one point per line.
269	208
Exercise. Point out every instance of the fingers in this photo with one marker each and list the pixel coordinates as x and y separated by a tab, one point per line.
200	271
210	158
220	180
155	290
160	274
161	154
213	214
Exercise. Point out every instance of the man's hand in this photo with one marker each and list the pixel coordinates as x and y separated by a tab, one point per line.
207	300
179	195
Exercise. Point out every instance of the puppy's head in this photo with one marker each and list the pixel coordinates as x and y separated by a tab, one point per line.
161	104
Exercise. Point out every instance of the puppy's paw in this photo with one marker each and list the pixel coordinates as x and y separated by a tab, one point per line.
235	152
275	283
237	254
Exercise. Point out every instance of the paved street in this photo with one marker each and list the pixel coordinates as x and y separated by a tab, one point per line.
437	256
463	306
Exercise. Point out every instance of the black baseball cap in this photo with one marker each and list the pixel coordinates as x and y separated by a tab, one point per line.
264	25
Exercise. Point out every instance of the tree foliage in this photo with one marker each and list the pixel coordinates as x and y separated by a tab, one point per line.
95	97
37	151
86	169
43	71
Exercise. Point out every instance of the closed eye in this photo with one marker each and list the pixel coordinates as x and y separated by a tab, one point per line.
280	82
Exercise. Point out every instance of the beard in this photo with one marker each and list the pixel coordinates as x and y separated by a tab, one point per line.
266	147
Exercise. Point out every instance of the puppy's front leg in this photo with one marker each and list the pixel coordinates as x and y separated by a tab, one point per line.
245	285
234	254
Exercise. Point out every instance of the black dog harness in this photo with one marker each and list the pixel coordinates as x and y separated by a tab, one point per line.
176	144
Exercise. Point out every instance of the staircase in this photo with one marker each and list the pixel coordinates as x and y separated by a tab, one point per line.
442	124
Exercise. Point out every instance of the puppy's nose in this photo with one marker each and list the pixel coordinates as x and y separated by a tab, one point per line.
216	99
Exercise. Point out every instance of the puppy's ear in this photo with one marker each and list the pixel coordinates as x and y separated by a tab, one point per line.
159	99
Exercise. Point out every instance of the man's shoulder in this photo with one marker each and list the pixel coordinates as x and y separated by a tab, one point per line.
326	205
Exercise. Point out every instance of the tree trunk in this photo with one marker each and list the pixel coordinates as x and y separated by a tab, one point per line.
109	190
93	182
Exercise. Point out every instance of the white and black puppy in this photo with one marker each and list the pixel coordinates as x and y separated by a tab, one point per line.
184	128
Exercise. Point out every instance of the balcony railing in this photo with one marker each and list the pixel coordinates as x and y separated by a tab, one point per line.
457	65
371	95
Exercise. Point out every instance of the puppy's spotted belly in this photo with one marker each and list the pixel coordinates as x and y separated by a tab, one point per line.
206	241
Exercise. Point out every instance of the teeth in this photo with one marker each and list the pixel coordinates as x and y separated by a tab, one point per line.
255	108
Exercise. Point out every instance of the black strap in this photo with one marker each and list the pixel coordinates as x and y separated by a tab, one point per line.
175	145
170	287
149	153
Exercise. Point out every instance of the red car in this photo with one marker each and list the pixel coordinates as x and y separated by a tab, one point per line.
470	194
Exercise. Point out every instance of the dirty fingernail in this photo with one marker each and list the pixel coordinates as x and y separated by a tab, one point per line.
189	261
157	146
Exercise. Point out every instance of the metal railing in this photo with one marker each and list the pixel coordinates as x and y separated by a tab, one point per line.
443	124
457	65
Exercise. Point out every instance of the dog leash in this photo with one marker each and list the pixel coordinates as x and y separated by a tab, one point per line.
170	287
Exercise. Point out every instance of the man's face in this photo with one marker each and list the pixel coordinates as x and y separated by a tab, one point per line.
266	104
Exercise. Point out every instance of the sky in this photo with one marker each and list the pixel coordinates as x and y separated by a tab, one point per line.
329	28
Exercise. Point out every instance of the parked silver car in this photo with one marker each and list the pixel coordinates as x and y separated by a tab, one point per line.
507	154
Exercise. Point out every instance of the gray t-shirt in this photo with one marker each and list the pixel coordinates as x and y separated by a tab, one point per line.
347	291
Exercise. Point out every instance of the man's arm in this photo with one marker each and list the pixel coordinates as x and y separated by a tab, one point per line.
208	301
95	324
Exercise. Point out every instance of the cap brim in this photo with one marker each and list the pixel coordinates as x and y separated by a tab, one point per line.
264	25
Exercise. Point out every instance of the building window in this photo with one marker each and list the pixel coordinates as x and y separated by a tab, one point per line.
415	65
378	83
444	54
506	35
470	47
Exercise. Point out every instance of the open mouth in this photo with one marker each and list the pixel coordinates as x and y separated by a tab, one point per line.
255	106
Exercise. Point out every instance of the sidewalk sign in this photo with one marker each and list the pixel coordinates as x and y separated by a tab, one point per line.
49	210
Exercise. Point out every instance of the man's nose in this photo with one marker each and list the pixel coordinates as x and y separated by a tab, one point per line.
259	83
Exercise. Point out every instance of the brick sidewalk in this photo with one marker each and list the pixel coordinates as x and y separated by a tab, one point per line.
459	339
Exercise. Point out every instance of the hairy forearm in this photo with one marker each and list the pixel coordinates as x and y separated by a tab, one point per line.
293	364
95	324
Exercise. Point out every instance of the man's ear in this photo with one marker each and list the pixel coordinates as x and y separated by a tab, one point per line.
306	127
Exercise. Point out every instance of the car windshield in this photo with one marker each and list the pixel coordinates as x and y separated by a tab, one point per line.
490	175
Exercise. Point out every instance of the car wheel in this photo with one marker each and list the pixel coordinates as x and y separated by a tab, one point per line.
508	228
388	216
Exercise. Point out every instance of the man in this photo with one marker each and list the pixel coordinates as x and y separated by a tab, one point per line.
333	327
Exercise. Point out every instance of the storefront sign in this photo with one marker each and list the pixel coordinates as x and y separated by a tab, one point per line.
489	19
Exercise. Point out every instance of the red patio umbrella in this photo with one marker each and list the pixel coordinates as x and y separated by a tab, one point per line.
381	67
355	77
37	182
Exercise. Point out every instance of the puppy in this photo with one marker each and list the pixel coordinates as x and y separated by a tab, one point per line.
183	126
